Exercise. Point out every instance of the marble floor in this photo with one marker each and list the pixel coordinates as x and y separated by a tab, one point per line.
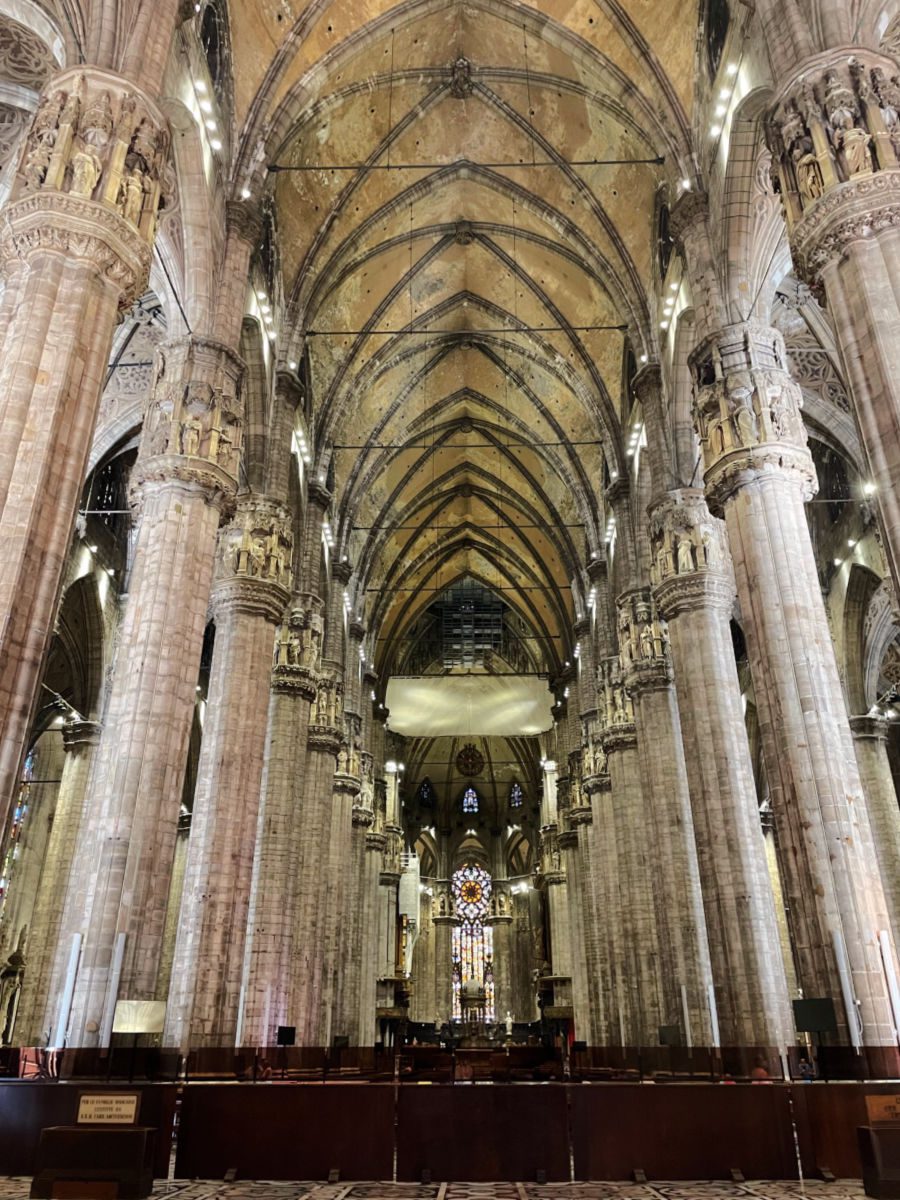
846	1189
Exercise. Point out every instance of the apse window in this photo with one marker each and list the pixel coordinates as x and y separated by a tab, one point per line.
473	947
470	800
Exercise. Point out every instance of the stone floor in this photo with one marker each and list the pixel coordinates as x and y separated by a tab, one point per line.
847	1189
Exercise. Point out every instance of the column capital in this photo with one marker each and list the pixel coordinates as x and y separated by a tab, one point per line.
647	380
618	490
869	728
244	220
747	412
690	567
643	643
362	818
90	178
342	571
193	425
689	212
834	134
376	841
253	562
318	494
617	730
80	732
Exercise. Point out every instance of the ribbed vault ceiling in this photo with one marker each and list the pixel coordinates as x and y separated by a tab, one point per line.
465	313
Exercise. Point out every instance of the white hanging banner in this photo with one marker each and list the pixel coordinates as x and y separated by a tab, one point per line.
466	705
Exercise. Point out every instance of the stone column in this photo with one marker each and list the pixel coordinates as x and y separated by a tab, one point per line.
37	1013
249	596
183	479
695	594
338	916
758	475
315	929
75	252
268	953
683	944
629	859
443	961
500	921
870	741
834	133
552	876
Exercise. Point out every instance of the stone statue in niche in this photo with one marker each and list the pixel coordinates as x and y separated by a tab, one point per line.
646	641
888	92
191	432
846	135
685	554
131	196
86	169
810	182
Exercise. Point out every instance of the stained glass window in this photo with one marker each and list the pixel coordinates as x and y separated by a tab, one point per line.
470	800
516	796
473	941
425	794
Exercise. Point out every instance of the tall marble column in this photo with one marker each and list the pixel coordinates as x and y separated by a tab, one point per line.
249	596
314	930
36	1015
870	741
552	875
694	591
269	947
835	139
758	475
628	854
500	921
183	479
683	943
75	253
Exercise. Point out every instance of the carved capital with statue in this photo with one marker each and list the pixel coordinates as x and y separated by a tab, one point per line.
551	868
691	563
253	563
616	712
298	645
834	134
193	424
747	412
643	643
92	178
326	717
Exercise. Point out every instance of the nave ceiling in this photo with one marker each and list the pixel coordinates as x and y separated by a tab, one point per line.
464	327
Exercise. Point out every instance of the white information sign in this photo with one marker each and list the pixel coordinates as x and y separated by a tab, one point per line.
108	1108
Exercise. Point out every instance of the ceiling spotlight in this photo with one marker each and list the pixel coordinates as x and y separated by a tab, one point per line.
664	324
686	185
643	358
731	69
211	125
245	193
725	94
721	110
200	87
869	489
93	549
838	562
292	365
216	144
851	542
673	287
206	106
715	130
